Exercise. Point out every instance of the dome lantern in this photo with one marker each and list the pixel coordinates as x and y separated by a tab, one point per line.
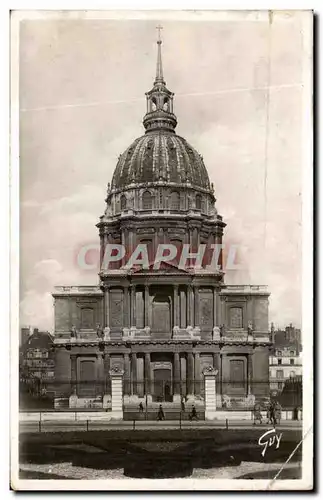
159	115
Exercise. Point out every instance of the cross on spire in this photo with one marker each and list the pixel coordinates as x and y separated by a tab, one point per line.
159	69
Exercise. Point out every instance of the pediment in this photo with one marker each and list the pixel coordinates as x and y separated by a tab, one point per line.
165	267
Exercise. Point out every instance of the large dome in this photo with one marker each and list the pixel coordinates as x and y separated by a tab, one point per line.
160	156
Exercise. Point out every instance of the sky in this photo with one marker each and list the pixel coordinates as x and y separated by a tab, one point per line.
238	100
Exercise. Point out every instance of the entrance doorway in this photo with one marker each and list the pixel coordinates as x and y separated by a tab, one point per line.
162	385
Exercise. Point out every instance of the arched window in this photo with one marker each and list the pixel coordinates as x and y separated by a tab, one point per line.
123	202
146	200
198	202
174	200
292	374
166	104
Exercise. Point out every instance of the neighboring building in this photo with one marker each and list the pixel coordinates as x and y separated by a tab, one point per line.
164	326
25	333
37	356
286	361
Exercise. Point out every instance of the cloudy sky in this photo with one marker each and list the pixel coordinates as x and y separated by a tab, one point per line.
238	99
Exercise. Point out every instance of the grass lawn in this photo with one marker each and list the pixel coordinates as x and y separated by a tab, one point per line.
158	453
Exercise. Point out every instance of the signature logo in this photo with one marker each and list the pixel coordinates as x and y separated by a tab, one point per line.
268	439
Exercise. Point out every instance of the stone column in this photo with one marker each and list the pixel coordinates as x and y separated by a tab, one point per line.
107	384
133	306
176	306
190	374
210	393
100	385
216	361
73	397
214	307
197	371
123	243
177	378
116	376
146	305
73	374
147	374
220	375
127	376
126	307
196	306
189	305
249	376
107	307
134	372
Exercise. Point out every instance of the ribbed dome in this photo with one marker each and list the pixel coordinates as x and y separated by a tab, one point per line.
160	156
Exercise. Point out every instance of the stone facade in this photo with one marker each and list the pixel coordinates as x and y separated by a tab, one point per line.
161	327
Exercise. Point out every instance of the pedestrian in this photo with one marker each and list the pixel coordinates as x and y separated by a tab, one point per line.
269	412
141	407
193	414
183	406
272	413
257	414
160	414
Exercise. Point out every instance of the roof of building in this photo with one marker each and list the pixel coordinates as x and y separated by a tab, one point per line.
283	340
160	155
39	340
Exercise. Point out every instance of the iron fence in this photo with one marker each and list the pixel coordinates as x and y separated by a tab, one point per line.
230	394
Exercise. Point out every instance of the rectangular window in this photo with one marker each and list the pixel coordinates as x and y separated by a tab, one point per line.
237	373
279	361
280	373
236	317
87	318
292	361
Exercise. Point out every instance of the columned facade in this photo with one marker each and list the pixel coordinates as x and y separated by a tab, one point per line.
162	324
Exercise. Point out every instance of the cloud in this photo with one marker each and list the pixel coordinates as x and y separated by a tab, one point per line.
36	310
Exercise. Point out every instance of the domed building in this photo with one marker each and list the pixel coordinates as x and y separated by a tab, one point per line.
160	317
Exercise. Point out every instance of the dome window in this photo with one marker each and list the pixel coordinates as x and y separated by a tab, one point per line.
123	202
146	201
198	202
175	201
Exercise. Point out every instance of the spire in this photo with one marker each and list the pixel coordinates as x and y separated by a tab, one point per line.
159	114
159	70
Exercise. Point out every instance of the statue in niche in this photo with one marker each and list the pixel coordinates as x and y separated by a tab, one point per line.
99	331
250	328
73	332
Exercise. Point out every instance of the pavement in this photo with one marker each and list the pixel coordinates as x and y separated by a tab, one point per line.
61	425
